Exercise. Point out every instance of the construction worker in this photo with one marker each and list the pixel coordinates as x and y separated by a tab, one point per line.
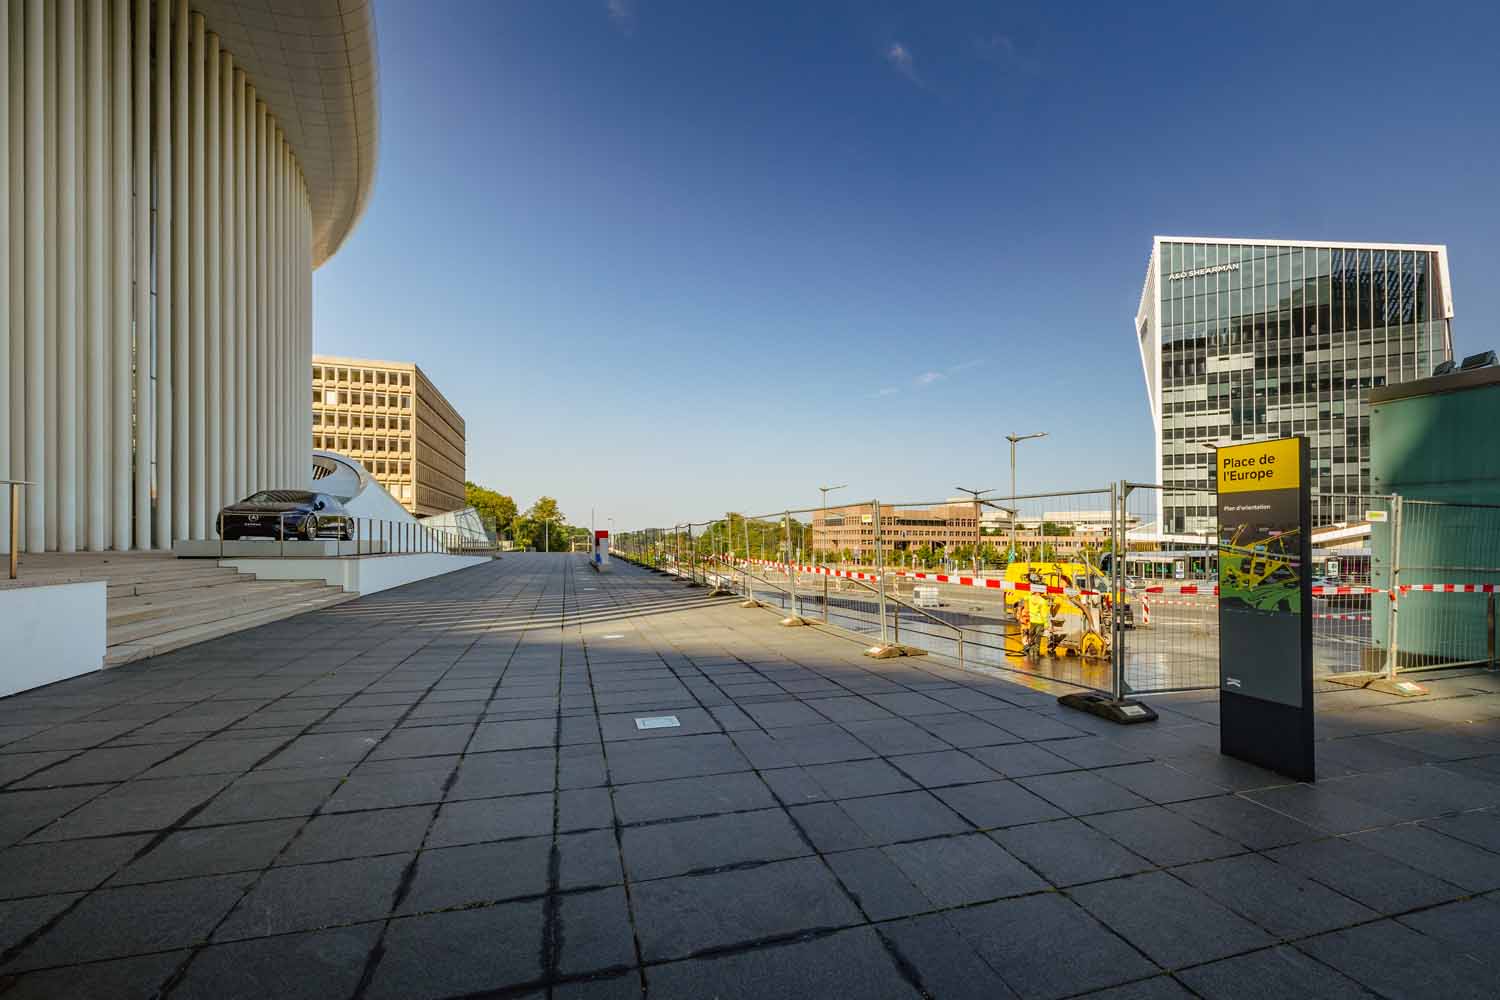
1038	616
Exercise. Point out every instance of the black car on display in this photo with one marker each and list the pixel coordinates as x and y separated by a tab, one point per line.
283	514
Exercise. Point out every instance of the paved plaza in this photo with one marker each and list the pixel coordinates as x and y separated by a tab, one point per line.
442	790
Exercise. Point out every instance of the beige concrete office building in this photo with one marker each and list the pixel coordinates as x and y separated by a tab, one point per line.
391	418
852	527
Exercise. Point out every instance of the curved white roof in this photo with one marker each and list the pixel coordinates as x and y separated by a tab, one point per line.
313	63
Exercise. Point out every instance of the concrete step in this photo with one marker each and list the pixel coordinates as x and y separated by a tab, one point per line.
172	618
166	583
129	576
165	642
242	586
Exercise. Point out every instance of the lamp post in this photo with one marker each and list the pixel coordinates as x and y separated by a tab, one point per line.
1015	439
826	535
976	495
825	491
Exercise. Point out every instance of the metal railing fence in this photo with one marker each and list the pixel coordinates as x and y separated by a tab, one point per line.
1398	585
1440	561
354	537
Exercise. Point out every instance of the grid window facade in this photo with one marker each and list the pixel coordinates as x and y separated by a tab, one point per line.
1244	341
391	418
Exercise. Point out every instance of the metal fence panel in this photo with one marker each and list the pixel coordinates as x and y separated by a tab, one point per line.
1445	560
1345	568
1170	578
1130	608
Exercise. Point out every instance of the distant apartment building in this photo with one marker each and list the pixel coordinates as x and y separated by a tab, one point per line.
852	528
947	526
391	418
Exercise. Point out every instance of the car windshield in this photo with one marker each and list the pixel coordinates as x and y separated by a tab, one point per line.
280	496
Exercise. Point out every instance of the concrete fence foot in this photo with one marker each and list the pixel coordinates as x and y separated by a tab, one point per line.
888	650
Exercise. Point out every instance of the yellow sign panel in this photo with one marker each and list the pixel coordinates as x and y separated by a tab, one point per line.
1264	465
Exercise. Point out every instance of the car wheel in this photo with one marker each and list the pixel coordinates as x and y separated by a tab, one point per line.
310	527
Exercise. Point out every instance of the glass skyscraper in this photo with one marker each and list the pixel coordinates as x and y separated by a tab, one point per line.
1244	340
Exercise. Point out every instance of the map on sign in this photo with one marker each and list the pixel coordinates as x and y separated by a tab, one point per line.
1262	575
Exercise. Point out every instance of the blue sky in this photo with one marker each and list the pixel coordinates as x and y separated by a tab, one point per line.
676	258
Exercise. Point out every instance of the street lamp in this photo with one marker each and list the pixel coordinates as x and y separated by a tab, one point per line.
825	491
826	536
976	495
1015	439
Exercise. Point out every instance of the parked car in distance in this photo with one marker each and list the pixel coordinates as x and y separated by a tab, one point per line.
283	514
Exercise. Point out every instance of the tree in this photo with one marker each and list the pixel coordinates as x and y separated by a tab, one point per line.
496	510
545	510
542	527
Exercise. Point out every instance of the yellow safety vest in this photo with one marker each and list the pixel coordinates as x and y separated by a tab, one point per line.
1038	609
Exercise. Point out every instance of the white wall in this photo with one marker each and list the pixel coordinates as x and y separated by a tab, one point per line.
366	575
50	633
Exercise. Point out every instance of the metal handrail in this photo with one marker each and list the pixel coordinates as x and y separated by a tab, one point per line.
893	599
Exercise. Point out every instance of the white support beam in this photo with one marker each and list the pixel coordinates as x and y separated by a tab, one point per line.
36	281
66	248
208	253
93	441
144	355
15	237
119	489
229	355
181	334
13	331
246	370
197	497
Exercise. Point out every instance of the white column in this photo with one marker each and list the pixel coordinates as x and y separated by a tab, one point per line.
15	237
262	321
36	282
161	136
67	276
304	342
307	316
94	445
283	347
278	300
48	460
208	252
228	337
246	367
12	331
255	465
140	51
198	319
181	334
119	423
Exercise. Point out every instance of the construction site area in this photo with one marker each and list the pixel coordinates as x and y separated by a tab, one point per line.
1084	588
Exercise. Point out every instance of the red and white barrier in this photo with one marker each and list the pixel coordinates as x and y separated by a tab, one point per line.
1182	590
1450	588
